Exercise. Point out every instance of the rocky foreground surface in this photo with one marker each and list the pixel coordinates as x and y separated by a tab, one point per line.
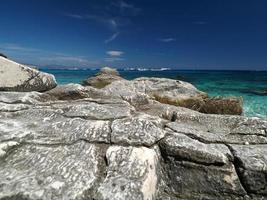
118	142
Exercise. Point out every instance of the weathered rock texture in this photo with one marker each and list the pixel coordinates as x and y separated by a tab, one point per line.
168	91
17	77
76	142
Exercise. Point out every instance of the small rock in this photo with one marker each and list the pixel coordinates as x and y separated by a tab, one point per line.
103	78
109	71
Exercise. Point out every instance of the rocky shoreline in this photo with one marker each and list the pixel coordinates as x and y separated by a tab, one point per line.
126	140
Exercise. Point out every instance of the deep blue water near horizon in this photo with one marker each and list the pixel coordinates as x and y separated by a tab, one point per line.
251	85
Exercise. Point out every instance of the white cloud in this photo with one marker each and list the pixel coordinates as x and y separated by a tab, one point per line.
75	16
114	56
166	39
67	60
115	53
44	57
17	47
126	8
114	15
112	37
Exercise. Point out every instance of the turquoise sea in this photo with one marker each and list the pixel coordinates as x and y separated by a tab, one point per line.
251	85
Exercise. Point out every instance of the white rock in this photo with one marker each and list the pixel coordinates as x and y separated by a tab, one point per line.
17	77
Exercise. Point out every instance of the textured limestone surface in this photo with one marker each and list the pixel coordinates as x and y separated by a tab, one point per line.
76	142
17	77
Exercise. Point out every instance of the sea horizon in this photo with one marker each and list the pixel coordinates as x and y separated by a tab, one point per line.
146	68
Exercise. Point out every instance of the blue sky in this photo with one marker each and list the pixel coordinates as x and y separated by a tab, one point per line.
185	34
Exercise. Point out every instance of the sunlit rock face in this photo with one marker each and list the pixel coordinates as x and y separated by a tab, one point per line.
164	90
20	78
76	142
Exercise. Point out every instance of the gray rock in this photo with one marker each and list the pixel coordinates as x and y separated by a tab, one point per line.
165	111
198	168
189	180
183	147
154	86
252	166
132	173
127	91
220	128
4	107
76	142
23	97
163	87
174	92
51	172
141	129
16	77
69	92
91	110
51	127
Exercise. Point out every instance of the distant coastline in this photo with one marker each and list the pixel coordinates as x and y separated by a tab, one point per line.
55	67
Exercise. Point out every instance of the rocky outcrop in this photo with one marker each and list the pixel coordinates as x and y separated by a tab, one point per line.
209	105
167	91
76	142
20	78
174	92
104	77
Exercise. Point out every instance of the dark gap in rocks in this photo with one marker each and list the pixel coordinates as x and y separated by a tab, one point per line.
250	134
194	137
216	164
10	151
165	169
13	111
64	144
15	102
106	160
16	197
238	165
110	131
174	117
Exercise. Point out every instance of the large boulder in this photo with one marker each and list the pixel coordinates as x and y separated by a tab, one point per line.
209	105
17	77
163	90
104	77
174	92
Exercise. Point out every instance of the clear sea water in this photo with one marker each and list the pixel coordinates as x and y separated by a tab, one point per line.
251	85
